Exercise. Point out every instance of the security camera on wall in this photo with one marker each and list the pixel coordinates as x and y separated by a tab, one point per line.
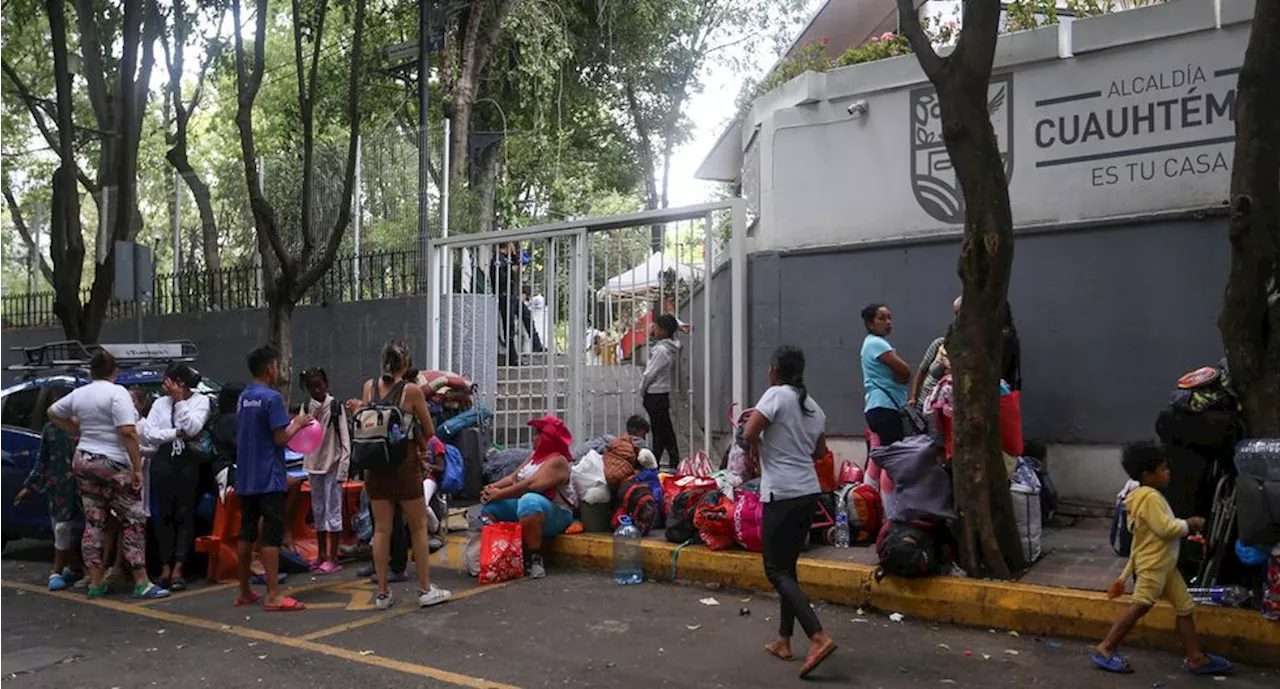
858	108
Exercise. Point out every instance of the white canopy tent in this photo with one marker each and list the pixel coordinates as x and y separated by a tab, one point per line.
646	278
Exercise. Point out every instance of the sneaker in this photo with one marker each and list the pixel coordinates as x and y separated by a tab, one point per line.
366	570
384	601
435	544
536	570
392	577
57	582
82	582
433	596
327	567
149	591
98	591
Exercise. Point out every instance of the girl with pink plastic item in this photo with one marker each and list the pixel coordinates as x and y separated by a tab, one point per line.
326	466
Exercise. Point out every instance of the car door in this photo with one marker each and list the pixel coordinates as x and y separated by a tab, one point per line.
19	445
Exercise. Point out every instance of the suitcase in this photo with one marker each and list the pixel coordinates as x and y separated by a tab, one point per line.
474	443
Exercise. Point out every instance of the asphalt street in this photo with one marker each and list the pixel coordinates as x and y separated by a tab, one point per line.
572	629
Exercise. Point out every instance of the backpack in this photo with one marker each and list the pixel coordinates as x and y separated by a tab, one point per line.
637	502
651	478
620	461
908	549
680	526
713	517
865	509
1121	537
378	436
453	478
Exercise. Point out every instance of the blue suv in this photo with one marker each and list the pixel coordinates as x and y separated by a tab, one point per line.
50	370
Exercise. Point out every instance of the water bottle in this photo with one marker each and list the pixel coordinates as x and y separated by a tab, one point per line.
842	525
628	555
1227	596
396	435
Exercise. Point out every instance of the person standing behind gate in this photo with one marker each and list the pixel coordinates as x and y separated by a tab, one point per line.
788	428
515	313
655	387
262	430
884	376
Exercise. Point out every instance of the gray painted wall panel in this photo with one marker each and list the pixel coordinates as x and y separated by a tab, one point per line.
1108	318
346	339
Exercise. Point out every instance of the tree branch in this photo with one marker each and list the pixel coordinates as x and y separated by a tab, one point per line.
909	16
975	49
31	101
16	213
95	72
316	271
248	82
492	34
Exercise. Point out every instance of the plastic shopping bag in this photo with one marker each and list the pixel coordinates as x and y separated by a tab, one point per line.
697	465
501	553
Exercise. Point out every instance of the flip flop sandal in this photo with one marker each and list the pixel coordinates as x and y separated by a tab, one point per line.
253	598
1115	663
1217	665
178	585
775	654
812	664
286	605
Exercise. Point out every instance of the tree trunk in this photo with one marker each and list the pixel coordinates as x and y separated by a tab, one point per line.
280	335
1250	319
486	187
987	533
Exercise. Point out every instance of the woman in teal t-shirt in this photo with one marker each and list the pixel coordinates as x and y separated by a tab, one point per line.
884	376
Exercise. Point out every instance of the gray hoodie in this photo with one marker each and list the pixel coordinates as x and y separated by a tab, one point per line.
658	375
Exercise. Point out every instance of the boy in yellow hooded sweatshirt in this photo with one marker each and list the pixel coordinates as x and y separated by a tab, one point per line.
1157	536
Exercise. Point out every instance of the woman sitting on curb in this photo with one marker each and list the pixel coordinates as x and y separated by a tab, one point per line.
538	494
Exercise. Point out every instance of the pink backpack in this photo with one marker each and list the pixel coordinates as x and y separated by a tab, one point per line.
747	514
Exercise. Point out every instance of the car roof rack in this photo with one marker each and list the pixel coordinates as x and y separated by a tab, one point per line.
74	355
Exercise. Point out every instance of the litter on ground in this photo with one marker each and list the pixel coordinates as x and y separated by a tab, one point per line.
709	601
896	617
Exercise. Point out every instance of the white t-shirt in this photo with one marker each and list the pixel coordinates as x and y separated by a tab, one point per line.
101	407
787	445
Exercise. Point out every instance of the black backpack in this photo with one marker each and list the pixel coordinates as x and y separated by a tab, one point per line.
908	549
379	434
680	528
636	501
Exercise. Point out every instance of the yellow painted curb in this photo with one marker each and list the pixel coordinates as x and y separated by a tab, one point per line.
1040	610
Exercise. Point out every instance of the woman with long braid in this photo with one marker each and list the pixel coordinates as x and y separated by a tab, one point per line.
788	428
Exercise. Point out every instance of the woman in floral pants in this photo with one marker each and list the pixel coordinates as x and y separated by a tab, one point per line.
108	468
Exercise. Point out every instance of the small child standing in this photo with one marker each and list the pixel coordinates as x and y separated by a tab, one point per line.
327	468
52	476
1157	537
656	386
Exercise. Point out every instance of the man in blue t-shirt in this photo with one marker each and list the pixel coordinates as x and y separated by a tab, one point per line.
262	429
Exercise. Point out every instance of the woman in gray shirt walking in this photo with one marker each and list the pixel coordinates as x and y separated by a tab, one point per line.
788	428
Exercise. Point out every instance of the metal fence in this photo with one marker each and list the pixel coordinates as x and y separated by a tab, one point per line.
370	275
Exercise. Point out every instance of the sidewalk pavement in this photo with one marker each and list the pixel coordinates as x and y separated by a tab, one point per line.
1062	594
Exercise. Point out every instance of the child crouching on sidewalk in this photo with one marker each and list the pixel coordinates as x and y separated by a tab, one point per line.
1157	536
326	468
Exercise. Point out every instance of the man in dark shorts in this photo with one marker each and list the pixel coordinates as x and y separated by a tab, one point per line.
262	429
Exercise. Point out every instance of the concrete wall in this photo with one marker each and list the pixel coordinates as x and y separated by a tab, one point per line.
1110	117
346	339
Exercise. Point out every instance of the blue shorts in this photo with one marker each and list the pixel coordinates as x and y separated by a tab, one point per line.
557	521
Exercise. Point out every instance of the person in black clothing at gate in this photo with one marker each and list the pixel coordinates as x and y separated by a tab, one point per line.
505	266
659	374
788	428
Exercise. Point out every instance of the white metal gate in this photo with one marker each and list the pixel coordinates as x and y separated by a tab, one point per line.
555	318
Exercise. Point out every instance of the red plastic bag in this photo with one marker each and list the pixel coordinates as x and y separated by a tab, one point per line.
714	521
1011	423
826	468
501	553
